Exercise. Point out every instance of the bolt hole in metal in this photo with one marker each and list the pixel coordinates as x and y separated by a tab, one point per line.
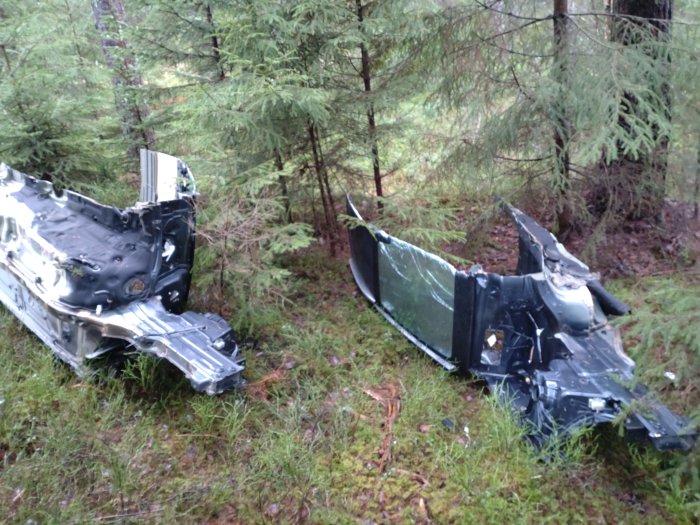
135	287
493	347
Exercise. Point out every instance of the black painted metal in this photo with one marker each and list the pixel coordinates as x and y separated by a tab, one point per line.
115	256
541	339
365	265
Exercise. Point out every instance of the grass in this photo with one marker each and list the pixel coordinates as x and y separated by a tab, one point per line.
330	387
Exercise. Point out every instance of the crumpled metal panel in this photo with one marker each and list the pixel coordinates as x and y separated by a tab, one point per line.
541	339
417	289
90	279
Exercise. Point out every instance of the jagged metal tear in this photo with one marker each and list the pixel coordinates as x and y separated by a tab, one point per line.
90	279
541	339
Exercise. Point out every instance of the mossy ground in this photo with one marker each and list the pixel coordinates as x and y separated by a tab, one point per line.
343	422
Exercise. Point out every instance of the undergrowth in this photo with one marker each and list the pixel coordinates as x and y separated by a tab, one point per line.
342	421
661	335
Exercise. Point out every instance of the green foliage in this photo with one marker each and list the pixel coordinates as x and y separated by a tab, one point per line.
55	98
661	335
179	34
145	371
497	72
415	219
663	331
286	67
239	221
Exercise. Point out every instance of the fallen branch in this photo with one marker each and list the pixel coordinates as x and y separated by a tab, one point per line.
389	397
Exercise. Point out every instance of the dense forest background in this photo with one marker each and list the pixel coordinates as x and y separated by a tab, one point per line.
585	114
589	110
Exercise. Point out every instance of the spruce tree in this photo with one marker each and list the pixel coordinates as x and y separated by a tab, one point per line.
111	21
636	173
54	95
602	80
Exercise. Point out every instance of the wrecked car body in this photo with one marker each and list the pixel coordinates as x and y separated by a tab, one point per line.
90	279
540	339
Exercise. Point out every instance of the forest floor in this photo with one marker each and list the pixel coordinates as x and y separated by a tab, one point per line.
637	249
342	421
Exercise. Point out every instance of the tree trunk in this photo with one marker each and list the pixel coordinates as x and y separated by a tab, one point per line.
283	187
128	87
372	127
216	52
326	182
639	180
6	59
696	211
562	125
323	186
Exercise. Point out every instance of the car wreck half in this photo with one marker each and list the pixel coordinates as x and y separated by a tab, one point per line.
90	279
541	339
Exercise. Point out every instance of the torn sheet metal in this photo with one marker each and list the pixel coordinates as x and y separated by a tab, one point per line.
90	279
541	339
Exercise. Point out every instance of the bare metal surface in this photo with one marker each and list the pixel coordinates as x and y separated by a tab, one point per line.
37	274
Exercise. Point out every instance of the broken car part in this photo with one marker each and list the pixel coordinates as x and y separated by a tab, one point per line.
90	279
540	338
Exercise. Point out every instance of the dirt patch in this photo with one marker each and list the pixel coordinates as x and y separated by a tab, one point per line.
642	247
646	246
